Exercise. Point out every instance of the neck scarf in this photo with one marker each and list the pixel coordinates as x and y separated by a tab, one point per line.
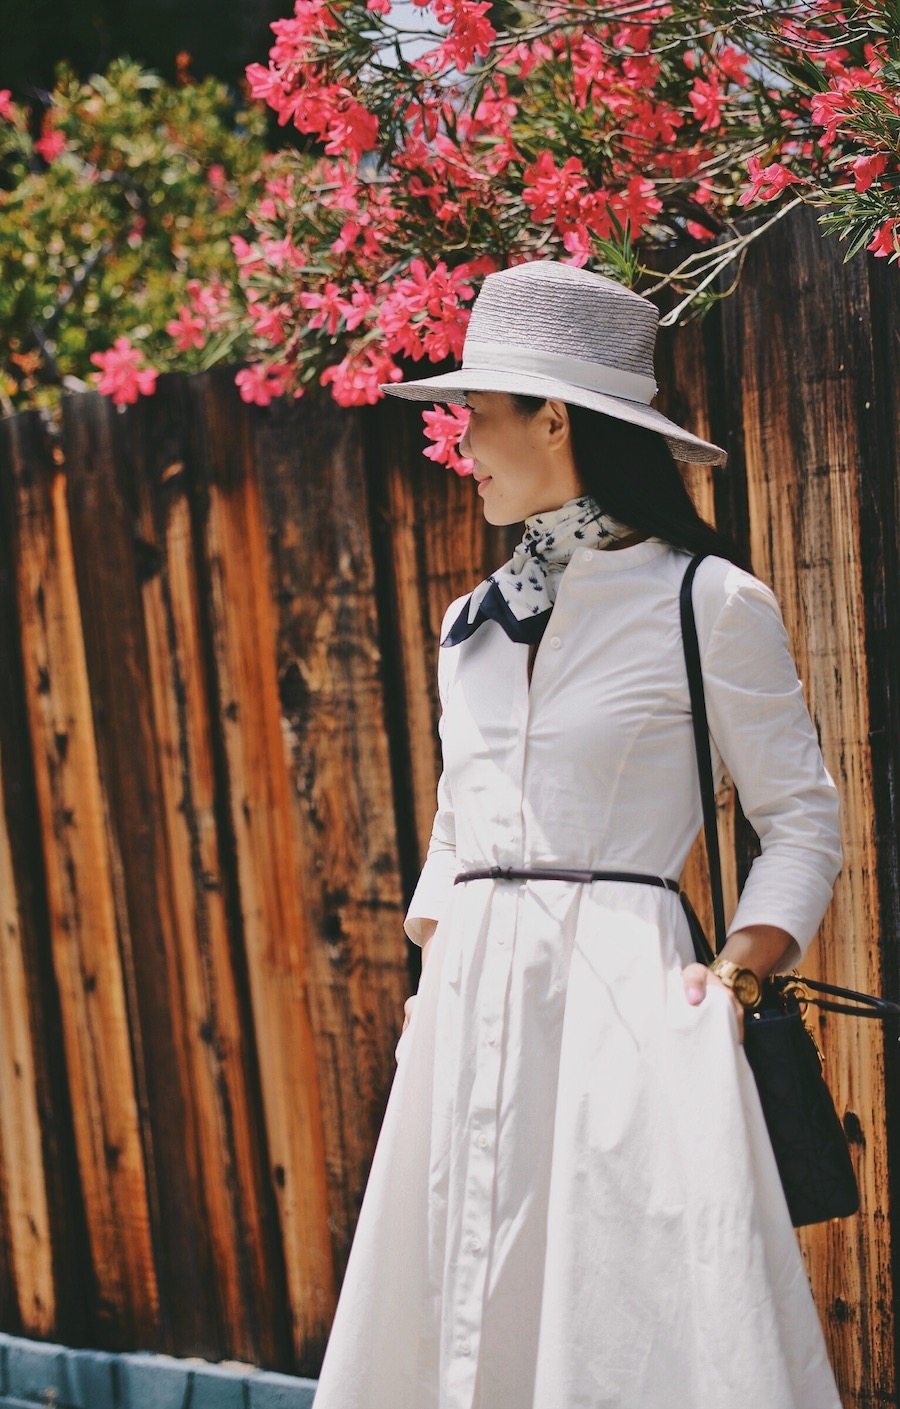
520	594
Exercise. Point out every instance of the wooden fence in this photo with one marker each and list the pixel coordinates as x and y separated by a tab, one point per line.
218	758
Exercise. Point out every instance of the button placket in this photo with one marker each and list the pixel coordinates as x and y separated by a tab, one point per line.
471	1264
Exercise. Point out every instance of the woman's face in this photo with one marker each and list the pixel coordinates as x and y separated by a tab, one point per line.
523	464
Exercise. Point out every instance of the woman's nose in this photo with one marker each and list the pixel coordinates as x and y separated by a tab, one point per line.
464	441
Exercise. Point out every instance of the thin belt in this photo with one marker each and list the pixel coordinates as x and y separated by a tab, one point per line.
556	873
702	949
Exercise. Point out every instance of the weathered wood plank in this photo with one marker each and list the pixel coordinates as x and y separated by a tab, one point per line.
242	625
334	702
797	339
29	1272
687	359
101	517
224	1225
42	1231
878	415
80	869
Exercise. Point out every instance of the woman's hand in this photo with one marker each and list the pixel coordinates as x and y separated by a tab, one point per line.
696	977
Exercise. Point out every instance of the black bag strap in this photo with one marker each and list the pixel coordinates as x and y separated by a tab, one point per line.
875	1007
701	743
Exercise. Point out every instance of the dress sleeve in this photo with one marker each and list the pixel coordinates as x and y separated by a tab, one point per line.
433	889
767	741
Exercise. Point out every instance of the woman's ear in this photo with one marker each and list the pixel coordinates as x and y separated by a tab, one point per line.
557	415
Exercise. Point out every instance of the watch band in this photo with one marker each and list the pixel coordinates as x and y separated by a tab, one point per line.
730	972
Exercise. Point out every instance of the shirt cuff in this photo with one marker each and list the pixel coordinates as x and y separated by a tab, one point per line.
786	893
432	894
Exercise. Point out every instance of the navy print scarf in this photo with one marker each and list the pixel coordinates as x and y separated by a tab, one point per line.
520	594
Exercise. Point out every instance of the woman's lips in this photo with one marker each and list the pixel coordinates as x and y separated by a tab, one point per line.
483	482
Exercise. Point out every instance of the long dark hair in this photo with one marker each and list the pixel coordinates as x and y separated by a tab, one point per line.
633	475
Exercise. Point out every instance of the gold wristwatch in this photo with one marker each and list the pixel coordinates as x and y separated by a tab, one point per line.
743	983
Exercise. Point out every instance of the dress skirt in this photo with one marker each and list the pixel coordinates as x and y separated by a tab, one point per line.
573	1201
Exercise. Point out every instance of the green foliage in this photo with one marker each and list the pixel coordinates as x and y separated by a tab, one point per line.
101	239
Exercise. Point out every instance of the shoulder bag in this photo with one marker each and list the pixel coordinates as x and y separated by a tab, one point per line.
808	1140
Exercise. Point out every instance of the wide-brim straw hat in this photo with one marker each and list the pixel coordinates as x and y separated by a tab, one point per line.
549	329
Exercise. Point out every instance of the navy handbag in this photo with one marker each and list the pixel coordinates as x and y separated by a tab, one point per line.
808	1140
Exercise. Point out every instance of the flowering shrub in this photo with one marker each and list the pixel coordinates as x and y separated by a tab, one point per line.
115	233
428	157
592	133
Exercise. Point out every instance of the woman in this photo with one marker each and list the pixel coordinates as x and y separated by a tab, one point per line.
573	1202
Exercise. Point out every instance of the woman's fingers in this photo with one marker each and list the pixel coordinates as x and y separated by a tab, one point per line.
696	977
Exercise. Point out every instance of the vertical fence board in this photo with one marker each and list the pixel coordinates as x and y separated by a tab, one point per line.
25	1207
79	877
878	410
226	1225
333	698
43	1243
688	394
243	628
797	338
102	527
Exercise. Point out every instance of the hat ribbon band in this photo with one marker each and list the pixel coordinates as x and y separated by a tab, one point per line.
592	376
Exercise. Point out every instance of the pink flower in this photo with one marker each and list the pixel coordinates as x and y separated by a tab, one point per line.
554	194
637	202
266	85
829	109
121	376
359	308
706	99
351	131
330	305
471	32
867	169
7	106
446	429
766	182
380	7
886	240
733	63
577	242
187	329
51	145
216	176
209	301
259	385
269	323
355	380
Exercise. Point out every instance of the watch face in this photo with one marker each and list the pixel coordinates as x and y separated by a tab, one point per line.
746	987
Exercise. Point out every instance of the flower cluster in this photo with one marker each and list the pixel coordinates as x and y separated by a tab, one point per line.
117	209
588	133
591	133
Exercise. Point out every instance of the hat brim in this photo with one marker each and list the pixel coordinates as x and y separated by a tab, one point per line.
452	387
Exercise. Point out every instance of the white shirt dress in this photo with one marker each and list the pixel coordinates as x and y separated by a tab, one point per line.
573	1201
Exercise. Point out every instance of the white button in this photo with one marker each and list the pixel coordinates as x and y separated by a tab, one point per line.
482	1140
555	642
500	939
587	555
475	1244
465	1348
491	1039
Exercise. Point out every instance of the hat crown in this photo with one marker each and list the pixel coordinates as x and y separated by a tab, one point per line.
547	306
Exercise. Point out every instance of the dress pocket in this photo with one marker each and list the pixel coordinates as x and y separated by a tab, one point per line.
720	995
